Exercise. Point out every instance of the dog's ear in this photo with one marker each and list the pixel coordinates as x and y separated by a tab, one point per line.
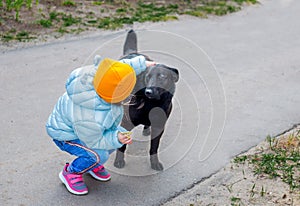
175	74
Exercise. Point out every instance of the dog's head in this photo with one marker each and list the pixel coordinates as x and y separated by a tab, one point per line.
156	80
160	79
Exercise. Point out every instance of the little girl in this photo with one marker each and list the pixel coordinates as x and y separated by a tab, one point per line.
86	119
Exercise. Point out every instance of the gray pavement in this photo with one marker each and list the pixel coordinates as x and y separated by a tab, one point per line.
239	82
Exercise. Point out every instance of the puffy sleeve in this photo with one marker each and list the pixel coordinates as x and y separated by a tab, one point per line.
138	63
99	130
97	137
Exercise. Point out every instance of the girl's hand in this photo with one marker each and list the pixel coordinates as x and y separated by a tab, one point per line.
150	63
125	138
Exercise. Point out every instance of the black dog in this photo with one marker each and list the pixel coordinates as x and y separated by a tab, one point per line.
150	103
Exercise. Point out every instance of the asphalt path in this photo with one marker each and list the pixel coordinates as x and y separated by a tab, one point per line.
239	82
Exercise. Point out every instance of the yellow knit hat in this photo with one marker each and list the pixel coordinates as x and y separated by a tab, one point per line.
114	81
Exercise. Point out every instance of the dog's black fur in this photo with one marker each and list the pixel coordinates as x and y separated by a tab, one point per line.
150	103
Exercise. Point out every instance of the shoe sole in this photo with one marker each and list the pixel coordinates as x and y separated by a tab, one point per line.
99	178
64	181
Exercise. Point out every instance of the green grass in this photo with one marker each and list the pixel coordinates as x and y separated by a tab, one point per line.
240	159
97	3
142	13
281	161
46	23
119	13
69	3
7	37
22	36
240	2
235	201
16	5
218	8
69	20
66	20
53	16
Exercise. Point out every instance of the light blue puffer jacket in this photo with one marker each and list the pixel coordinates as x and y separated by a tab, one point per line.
81	114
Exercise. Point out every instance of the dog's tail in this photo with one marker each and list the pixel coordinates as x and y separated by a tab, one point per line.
130	45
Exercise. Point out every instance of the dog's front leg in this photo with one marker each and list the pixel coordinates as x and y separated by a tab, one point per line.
158	118
146	130
155	163
119	161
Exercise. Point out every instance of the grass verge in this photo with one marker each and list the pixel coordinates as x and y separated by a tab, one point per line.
74	16
280	160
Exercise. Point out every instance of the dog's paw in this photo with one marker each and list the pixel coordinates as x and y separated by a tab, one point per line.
119	163
155	164
146	131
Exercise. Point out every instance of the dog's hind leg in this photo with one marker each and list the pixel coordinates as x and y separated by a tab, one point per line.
130	45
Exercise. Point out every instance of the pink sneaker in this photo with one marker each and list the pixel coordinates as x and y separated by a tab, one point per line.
73	182
99	173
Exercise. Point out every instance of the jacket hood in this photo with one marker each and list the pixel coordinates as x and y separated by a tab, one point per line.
80	89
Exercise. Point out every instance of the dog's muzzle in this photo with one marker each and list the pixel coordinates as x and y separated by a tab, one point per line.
152	93
148	92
